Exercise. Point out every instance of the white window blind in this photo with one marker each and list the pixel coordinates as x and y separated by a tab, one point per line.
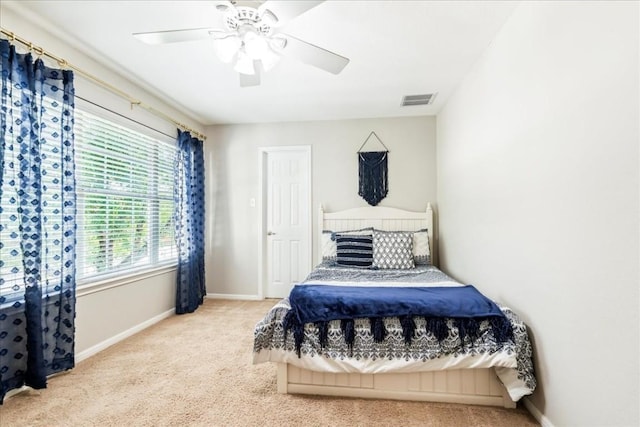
125	198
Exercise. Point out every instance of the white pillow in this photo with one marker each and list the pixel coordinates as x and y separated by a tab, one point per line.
329	249
421	251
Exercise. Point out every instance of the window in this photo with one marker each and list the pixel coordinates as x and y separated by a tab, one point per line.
48	199
124	183
125	198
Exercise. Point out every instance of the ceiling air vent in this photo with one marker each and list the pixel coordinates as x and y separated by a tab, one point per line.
425	99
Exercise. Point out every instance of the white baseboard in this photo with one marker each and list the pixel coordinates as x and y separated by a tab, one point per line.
122	335
544	421
129	332
15	391
105	344
235	296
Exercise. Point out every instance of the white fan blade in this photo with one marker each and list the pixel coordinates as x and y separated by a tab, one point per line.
314	55
247	80
285	10
175	36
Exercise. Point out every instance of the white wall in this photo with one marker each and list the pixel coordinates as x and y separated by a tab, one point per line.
231	165
122	306
538	191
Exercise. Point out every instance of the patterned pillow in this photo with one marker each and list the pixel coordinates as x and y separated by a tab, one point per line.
421	250
393	250
354	250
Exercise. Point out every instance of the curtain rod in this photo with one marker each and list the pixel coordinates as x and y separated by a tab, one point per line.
132	101
122	115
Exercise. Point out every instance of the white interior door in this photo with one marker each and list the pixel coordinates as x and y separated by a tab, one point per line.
288	219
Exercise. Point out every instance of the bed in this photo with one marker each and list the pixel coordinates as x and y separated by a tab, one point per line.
399	345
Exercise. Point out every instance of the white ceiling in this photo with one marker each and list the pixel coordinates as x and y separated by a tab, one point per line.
396	48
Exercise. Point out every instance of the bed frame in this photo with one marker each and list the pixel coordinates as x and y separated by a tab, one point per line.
380	217
469	386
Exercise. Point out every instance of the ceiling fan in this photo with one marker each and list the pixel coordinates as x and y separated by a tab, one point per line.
251	39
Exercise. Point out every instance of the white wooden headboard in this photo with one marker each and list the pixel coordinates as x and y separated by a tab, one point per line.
380	217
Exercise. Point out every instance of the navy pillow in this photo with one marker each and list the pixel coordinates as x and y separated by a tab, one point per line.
354	250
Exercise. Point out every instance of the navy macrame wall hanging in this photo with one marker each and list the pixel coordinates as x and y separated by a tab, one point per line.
373	176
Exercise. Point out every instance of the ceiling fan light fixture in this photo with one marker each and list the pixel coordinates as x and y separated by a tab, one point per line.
277	43
255	45
269	59
226	48
248	42
269	18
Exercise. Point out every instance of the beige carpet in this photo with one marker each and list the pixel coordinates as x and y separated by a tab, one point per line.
195	370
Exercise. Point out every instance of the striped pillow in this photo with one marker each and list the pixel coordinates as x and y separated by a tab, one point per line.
354	250
329	241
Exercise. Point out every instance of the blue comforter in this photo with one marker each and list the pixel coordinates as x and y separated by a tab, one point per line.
464	305
315	303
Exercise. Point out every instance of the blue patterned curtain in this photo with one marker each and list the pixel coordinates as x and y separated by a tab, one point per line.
189	220
37	221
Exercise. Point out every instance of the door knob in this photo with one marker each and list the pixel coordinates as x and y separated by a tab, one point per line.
270	233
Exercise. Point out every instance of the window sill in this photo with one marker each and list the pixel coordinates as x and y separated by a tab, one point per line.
90	287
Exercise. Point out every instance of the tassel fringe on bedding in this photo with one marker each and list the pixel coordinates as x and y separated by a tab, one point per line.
468	329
